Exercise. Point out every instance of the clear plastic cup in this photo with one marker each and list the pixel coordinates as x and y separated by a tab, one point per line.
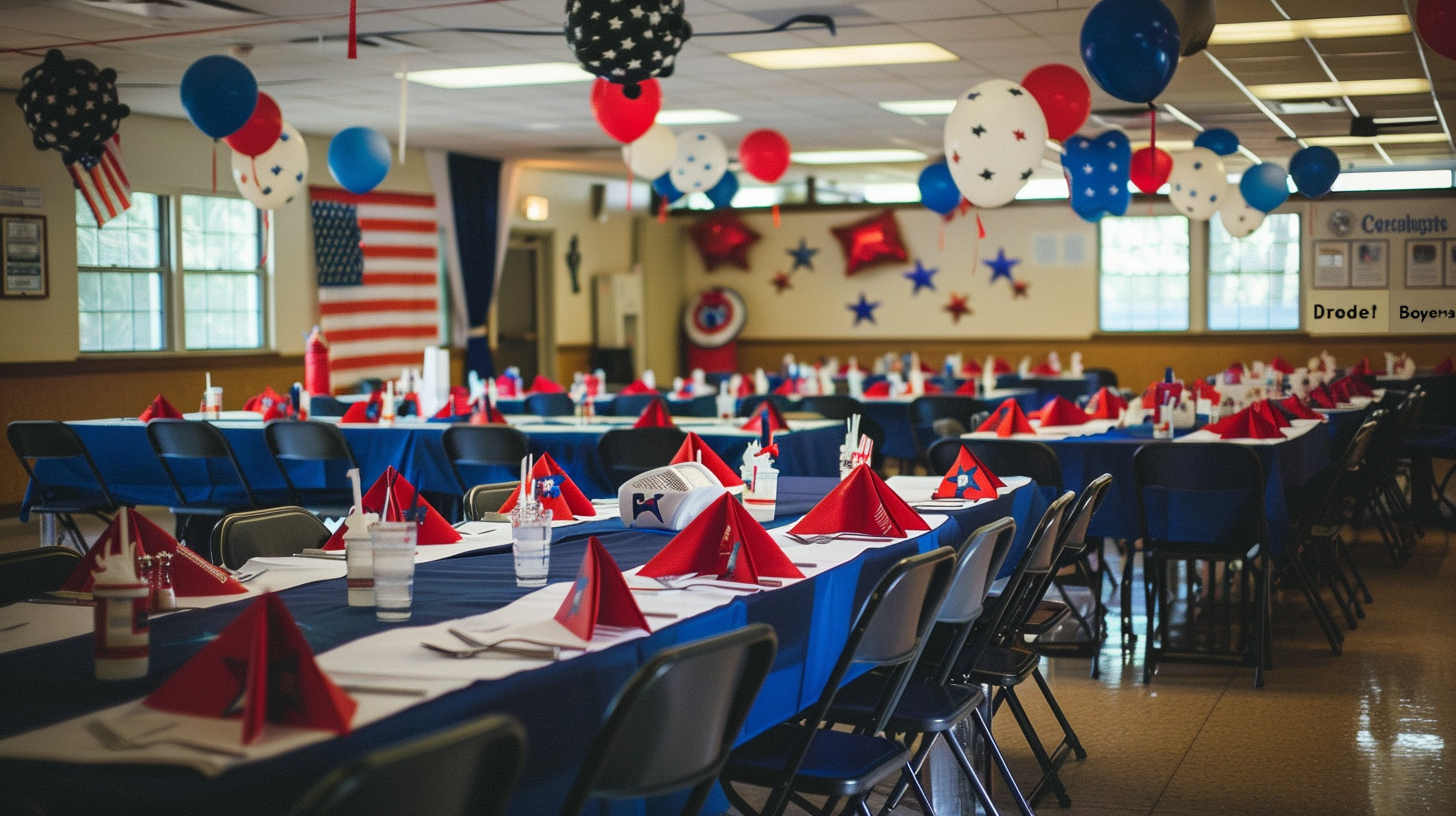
393	550
531	544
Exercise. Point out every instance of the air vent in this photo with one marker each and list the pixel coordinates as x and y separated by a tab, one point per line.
201	10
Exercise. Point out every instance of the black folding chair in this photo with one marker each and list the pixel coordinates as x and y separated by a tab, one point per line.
206	476
749	404
271	532
465	770
671	727
31	572
484	499
832	406
477	446
553	404
1090	630
630	405
626	452
313	457
926	411
1005	457
44	446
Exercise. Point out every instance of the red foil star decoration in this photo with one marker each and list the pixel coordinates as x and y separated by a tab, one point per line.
723	238
1018	288
781	282
957	307
871	241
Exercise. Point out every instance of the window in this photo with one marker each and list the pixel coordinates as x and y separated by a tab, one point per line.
121	271
221	283
1253	282
1143	276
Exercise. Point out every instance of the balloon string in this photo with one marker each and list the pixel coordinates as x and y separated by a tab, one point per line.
353	29
980	228
214	165
662	211
776	216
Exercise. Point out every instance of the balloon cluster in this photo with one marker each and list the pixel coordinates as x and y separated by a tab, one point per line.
627	44
697	162
70	106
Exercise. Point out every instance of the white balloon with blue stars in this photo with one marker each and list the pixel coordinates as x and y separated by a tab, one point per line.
701	161
1198	185
273	177
1237	216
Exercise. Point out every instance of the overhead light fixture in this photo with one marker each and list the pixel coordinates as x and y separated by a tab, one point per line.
1368	181
536	208
1384	139
697	116
1312	106
501	76
920	107
845	56
1043	189
889	156
1375	25
1353	87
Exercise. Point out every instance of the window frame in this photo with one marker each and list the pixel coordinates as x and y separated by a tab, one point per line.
258	274
162	270
1192	290
1299	276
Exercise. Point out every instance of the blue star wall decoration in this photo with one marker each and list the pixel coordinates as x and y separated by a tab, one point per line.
864	309
1001	266
921	277
803	256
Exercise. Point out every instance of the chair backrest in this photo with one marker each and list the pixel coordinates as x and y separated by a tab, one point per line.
293	442
272	532
871	428
832	406
979	560
482	446
1209	494
553	404
1074	531
466	769
1033	574
1005	457
749	404
704	406
487	498
626	452
1105	377
632	404
179	440
38	440
28	573
675	721
924	411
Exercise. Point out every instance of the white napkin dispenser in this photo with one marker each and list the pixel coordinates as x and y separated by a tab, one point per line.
668	498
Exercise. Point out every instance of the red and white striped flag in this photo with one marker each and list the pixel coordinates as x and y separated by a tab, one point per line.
102	181
379	280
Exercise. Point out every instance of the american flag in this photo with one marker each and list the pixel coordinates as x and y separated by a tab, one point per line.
379	280
102	181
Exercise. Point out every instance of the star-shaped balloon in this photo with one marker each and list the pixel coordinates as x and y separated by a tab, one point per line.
958	307
781	282
723	238
1018	288
803	256
1001	265
871	241
864	309
921	277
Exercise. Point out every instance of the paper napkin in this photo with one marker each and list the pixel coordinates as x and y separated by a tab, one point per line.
433	530
877	389
458	405
971	368
365	411
1158	393
542	385
271	404
968	478
1007	419
160	409
1323	397
1444	367
967	388
1106	404
638	387
1299	410
1362	367
1061	411
862	503
1246	424
655	415
192	575
487	414
724	542
1270	411
561	495
1000	366
694	449
766	412
1281	365
599	596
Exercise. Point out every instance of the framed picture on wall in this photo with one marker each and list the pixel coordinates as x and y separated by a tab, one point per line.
1332	264
23	256
1370	265
1423	263
1451	263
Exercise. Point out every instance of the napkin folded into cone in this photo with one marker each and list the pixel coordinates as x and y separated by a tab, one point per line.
458	405
160	409
638	387
1297	409
1061	411
1158	393
1107	403
971	368
260	669
1007	419
560	494
878	389
968	478
434	529
599	596
1246	424
694	449
766	412
1045	370
365	411
724	542
192	575
1270	411
1000	366
1351	386
1203	391
862	503
967	388
1362	368
1444	367
1323	397
1281	365
543	385
271	404
508	386
655	415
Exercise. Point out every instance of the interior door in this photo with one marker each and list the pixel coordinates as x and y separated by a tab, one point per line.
518	334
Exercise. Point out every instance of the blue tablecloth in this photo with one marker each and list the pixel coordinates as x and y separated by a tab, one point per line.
894	417
560	705
1048	387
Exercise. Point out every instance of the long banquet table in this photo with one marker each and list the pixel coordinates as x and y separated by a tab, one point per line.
560	703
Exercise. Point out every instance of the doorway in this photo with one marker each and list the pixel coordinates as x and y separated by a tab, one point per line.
524	338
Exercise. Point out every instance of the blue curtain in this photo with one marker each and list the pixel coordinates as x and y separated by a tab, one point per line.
475	193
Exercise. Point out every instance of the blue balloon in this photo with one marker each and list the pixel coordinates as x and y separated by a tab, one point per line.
1131	47
662	185
721	194
1264	186
219	94
1219	140
1097	174
1314	170
938	190
359	159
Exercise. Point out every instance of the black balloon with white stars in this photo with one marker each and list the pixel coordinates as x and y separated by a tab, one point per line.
70	105
627	41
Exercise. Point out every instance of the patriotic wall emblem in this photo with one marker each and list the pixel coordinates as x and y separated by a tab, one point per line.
715	317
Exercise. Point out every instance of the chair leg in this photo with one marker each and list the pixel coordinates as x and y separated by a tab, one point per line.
1049	776
1316	603
1152	592
1069	737
994	752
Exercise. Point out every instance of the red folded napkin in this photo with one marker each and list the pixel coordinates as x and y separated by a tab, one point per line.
638	387
766	412
1236	366
1323	397
192	575
1045	370
542	385
160	409
1296	406
1446	366
271	404
1270	411
967	388
434	530
1351	386
366	411
1000	366
1106	404
1246	424
878	389
968	478
787	388
1202	390
507	386
261	669
1007	419
458	404
655	415
1061	411
1362	367
1340	389
932	388
562	496
745	387
487	414
1157	393
1281	365
725	542
599	596
971	368
862	503
694	449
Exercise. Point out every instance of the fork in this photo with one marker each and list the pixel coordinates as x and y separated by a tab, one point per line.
114	740
825	538
547	651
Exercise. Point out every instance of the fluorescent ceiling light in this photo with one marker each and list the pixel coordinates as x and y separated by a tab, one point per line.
1315	106
1393	180
1355	87
1385	139
697	116
1376	25
845	56
920	107
1042	189
857	156
892	193
501	76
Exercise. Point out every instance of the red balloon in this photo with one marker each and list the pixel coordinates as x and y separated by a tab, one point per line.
723	238
1063	95
1150	169
1436	20
765	155
625	119
261	131
871	241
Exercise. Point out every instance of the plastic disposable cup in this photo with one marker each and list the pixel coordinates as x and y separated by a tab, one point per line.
393	550
122	631
761	499
531	544
212	402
